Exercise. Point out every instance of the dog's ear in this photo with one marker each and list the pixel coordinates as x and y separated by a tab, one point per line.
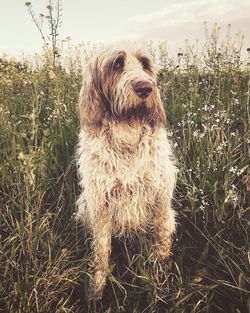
91	105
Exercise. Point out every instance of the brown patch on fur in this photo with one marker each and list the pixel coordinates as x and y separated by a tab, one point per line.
93	107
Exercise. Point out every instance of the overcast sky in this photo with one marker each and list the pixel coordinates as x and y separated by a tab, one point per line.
111	20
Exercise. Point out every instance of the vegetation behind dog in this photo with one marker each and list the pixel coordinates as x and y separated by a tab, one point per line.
44	252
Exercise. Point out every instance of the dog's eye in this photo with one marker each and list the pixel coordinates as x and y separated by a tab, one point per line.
118	63
145	63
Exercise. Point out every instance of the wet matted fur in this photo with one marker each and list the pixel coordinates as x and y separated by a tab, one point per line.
125	163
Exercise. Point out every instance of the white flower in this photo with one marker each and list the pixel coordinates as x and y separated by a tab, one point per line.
233	169
196	133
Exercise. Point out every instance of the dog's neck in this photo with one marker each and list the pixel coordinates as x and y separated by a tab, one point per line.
125	136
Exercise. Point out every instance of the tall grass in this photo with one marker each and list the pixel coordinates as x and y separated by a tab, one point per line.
44	253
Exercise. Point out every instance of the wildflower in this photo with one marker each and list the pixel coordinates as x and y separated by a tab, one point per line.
232	196
236	102
241	171
28	4
196	133
204	203
233	169
219	149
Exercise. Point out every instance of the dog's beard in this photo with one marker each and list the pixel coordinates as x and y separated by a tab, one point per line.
144	112
135	111
138	111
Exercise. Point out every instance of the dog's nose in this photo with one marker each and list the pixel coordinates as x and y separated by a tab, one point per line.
142	89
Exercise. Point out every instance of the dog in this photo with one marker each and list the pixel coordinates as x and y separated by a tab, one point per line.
125	163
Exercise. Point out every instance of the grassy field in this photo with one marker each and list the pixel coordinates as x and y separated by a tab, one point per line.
44	252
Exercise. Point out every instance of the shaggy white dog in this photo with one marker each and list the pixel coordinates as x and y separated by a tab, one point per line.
126	168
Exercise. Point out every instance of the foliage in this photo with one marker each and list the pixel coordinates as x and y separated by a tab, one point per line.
45	252
53	19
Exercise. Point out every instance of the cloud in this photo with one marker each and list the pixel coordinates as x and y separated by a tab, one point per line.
182	20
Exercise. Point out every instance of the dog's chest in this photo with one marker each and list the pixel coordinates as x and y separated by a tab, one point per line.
134	160
134	178
128	173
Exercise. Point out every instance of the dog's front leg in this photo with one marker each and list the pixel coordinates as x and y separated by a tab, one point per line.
101	248
163	227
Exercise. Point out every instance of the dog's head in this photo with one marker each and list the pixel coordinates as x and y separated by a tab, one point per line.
120	84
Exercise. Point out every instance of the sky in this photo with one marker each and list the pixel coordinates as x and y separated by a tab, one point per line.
114	20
